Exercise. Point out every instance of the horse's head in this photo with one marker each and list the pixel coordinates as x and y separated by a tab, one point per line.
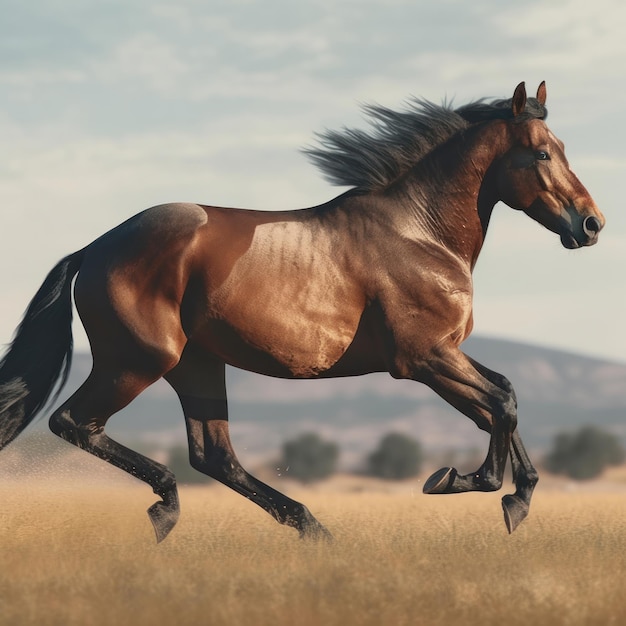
534	176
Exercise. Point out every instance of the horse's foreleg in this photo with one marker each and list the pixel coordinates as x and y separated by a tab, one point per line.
525	478
525	475
488	399
80	421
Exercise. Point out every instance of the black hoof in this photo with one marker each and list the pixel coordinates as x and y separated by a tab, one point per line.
163	518
515	511
440	481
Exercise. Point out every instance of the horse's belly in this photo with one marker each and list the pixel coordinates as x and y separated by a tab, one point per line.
279	347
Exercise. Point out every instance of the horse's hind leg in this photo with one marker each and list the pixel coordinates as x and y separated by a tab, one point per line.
212	453
198	380
81	420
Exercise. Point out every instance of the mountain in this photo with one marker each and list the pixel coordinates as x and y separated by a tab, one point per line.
556	391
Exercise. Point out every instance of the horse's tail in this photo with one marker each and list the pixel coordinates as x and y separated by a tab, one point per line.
40	353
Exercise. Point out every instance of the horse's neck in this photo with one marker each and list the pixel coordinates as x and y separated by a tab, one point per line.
450	195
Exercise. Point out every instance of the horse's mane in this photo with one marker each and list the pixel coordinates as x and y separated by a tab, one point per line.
399	139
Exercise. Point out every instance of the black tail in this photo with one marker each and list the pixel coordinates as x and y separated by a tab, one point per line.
40	353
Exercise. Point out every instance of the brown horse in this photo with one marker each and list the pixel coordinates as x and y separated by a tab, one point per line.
378	279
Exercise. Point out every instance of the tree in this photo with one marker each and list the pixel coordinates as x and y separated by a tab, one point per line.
398	456
309	458
584	454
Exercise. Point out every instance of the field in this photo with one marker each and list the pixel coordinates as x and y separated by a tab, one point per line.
84	554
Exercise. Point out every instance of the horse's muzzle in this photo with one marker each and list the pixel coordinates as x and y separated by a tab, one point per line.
585	234
592	226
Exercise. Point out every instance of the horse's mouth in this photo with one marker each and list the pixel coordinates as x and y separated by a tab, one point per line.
569	241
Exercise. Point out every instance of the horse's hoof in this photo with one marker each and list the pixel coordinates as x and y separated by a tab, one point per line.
440	481
163	518
515	511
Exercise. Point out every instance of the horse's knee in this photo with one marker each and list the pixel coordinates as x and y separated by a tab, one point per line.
501	414
505	411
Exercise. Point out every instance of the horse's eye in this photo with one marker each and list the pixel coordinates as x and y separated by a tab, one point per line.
542	155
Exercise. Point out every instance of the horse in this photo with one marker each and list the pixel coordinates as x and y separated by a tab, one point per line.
378	279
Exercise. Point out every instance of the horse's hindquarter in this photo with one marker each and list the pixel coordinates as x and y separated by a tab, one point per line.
287	301
133	278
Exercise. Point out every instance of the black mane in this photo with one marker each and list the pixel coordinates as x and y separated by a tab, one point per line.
399	139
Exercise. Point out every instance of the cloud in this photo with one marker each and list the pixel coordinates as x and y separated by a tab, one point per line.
573	37
156	64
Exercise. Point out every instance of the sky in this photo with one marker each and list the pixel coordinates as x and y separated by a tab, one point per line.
110	107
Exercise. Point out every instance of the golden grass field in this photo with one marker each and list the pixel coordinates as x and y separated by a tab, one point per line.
85	554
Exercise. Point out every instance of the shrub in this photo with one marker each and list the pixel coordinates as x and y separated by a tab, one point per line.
398	456
309	458
584	454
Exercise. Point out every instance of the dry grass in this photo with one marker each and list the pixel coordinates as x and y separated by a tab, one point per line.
77	555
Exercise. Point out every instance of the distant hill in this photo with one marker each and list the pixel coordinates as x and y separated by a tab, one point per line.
556	391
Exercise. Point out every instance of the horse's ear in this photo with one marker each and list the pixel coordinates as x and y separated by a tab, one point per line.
518	103
541	93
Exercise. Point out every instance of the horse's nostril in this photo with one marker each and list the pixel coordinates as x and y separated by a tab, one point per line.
591	226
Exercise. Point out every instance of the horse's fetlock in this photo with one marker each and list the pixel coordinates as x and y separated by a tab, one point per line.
488	482
168	481
531	478
163	482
